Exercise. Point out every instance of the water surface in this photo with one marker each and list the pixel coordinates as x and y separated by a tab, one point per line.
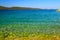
29	16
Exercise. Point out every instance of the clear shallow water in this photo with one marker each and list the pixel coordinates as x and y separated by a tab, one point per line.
29	16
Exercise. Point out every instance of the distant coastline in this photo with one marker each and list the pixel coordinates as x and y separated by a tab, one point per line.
17	8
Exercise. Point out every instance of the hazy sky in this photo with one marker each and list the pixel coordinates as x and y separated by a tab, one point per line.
31	3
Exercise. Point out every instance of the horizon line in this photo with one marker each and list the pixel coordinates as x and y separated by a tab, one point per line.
28	7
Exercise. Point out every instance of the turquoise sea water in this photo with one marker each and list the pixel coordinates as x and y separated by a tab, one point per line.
30	21
29	16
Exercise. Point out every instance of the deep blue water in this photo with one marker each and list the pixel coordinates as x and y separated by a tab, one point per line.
29	16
